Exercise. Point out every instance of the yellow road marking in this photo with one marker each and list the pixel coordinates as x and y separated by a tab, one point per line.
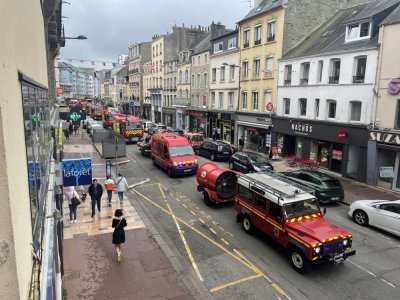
278	289
228	233
213	290
212	230
188	251
193	213
221	228
202	221
226	243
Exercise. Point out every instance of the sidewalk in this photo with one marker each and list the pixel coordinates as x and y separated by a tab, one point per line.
91	270
353	190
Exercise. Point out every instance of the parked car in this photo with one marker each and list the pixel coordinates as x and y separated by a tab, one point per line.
215	150
382	214
146	125
327	189
248	162
157	128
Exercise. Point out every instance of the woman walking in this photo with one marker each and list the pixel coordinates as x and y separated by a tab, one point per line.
71	193
118	223
122	185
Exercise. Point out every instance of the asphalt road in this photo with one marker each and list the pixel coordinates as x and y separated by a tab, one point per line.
234	265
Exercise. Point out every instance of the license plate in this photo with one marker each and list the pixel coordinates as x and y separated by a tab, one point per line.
226	152
134	139
187	170
335	198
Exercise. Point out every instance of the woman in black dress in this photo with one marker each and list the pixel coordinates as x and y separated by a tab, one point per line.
118	223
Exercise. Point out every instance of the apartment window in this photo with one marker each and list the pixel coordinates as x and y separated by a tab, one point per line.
214	75
360	64
305	72
257	35
205	79
269	67
244	100
288	75
320	69
222	74
198	80
232	42
232	73
193	81
331	109
198	60
335	71
230	100
186	76
218	47
355	111
245	69
271	31
267	97
212	100
358	31
246	38
221	99
302	106
255	100
256	68
286	106
316	108
180	77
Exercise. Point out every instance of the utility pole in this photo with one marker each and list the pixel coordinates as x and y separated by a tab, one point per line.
116	154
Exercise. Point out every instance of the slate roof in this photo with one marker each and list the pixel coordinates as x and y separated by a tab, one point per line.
330	36
393	18
264	6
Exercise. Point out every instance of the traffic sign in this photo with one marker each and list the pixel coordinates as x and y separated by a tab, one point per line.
269	106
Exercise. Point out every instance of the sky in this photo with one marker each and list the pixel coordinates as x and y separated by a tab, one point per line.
112	25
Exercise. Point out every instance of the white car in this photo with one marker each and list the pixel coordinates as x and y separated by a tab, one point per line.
382	214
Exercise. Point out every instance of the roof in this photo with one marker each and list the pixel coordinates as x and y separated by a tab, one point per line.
393	18
330	36
171	138
264	6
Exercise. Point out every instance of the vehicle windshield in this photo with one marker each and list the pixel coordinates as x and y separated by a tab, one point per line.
301	208
133	126
181	151
162	127
256	159
197	138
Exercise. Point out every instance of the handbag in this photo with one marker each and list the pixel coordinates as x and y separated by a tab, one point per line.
75	201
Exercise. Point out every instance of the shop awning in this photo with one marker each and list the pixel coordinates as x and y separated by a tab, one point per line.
256	125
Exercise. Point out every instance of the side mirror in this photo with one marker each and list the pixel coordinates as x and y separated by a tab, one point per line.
324	211
279	220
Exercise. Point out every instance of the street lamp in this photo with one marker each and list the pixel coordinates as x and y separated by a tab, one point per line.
79	37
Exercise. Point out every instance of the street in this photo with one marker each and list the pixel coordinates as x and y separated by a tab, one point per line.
235	265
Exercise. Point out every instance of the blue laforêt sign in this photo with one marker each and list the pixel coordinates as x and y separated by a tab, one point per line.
77	172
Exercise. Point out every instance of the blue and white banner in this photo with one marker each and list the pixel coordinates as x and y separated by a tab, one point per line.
77	172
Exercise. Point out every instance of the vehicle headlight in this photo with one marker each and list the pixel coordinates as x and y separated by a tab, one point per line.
257	169
174	164
345	242
317	250
195	161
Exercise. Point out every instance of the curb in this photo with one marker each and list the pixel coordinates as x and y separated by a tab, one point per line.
138	183
121	162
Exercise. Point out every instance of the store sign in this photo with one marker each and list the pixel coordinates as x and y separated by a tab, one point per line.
385	137
341	135
264	120
394	86
386	172
77	172
301	128
197	114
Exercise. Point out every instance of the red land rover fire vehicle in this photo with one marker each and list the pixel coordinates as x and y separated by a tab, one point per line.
108	116
129	127
96	112
287	214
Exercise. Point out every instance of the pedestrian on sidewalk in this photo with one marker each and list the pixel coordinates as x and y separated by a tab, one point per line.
76	128
118	223
95	192
66	133
109	185
71	193
121	186
241	143
70	128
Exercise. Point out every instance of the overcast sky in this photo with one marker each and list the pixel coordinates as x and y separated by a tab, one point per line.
112	25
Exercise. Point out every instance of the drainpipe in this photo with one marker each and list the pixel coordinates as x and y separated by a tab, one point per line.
377	77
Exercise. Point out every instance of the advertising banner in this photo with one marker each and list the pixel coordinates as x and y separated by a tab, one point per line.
77	172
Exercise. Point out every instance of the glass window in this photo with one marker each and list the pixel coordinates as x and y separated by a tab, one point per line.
335	71
261	202
358	31
232	73
286	103
255	100
212	99
302	106
316	108
232	42
222	74
245	69
230	100
288	74
320	69
355	110
221	99
305	71
269	66
218	47
257	35
274	210
387	160
271	31
245	193
359	69
246	38
214	75
244	100
331	109
256	68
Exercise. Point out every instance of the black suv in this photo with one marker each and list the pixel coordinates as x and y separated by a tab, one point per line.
215	150
248	162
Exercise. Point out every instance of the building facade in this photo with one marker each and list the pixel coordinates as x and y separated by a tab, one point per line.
170	79
182	101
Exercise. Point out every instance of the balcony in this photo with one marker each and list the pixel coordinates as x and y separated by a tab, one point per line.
257	42
246	45
181	101
333	79
358	79
288	82
271	38
304	81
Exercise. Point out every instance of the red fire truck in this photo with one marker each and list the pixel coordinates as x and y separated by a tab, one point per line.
283	211
96	112
129	127
108	117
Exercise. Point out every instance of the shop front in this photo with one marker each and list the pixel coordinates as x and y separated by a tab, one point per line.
341	148
169	117
255	130
182	120
384	159
197	120
223	123
146	110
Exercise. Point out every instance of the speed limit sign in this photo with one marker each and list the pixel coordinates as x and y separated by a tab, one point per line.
269	106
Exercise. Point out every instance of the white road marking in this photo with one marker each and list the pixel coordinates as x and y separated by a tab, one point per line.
385	237
385	281
370	273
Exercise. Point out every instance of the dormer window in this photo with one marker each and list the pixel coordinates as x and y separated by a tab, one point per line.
359	31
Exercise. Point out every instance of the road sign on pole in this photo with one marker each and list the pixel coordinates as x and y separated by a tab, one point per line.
269	106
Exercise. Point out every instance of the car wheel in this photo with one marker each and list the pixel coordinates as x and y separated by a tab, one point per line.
212	157
298	260
169	172
206	199
360	217
247	226
230	165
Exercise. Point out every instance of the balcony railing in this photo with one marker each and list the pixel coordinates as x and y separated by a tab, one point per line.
257	42
271	38
358	79
288	82
333	79
246	45
304	81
